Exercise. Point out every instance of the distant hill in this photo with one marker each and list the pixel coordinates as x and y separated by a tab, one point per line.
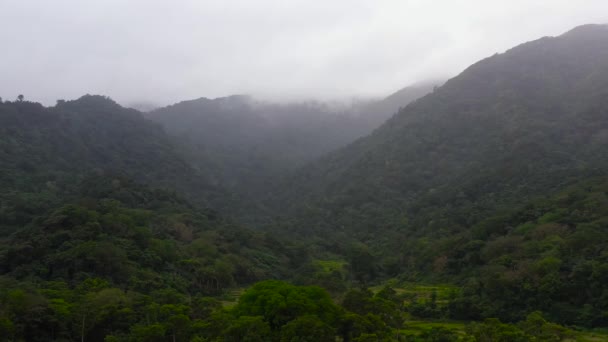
508	128
494	184
143	106
44	151
464	185
375	113
252	143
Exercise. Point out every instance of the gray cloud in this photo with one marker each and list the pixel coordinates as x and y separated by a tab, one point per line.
165	51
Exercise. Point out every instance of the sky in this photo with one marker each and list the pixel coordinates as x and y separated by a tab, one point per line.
166	51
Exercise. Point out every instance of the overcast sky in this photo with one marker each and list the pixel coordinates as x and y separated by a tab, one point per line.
166	51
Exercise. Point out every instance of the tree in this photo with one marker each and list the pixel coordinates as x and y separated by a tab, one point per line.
279	303
148	333
493	330
20	97
359	301
439	334
362	263
248	329
307	329
7	329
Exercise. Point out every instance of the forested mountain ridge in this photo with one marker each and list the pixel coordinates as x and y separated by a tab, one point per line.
377	112
94	237
120	258
90	133
246	145
496	181
128	234
494	186
511	127
45	151
289	133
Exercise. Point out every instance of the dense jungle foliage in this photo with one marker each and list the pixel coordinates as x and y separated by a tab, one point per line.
479	212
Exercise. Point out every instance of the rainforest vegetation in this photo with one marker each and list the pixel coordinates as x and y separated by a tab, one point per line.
477	212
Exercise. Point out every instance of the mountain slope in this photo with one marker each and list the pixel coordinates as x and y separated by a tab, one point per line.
44	152
116	255
121	231
375	113
245	145
465	186
509	128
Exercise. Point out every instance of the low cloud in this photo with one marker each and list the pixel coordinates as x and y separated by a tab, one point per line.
165	51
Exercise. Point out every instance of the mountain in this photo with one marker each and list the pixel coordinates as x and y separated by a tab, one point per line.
292	133
375	113
116	229
94	237
118	259
246	145
143	106
508	128
44	152
439	192
494	185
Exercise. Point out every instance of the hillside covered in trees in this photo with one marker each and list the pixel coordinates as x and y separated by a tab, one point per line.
46	150
478	212
245	145
510	128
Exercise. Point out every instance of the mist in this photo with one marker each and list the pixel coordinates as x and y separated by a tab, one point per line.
160	52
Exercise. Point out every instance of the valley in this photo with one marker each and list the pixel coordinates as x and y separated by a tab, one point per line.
474	209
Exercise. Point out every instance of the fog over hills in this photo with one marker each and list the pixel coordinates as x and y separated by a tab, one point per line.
535	110
246	145
295	50
325	206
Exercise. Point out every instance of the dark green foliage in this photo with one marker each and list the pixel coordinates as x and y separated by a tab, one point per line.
307	329
534	328
502	133
248	328
454	187
246	145
549	251
279	303
45	151
438	335
139	239
492	330
133	264
494	184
